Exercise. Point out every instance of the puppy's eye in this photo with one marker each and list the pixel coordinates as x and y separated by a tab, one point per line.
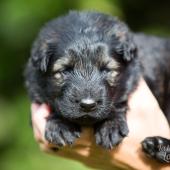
67	69
104	69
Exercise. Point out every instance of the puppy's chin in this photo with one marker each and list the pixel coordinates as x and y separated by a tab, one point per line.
85	120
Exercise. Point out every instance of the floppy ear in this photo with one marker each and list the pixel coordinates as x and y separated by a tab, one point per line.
124	43
41	54
129	50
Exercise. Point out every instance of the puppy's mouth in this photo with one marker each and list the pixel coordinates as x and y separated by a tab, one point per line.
85	120
88	109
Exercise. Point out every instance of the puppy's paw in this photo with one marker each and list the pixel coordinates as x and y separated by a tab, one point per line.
157	148
61	133
111	133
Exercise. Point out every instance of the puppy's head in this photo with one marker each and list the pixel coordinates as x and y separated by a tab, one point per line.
81	63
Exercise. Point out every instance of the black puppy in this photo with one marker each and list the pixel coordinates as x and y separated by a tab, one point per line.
84	66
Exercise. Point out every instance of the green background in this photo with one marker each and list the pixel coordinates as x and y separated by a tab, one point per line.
20	22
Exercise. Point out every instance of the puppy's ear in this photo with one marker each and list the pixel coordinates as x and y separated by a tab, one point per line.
129	50
41	54
123	43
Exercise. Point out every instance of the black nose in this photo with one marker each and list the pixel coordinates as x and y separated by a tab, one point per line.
88	104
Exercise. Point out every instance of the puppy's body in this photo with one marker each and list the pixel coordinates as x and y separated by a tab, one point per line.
154	56
85	65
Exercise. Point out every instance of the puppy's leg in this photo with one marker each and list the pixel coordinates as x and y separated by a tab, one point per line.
111	132
61	132
158	147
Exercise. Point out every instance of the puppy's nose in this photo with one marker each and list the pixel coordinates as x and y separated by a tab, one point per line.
88	104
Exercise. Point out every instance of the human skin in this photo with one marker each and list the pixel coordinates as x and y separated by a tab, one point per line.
144	118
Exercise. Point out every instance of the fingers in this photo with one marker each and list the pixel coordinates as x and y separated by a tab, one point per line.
34	107
39	115
39	118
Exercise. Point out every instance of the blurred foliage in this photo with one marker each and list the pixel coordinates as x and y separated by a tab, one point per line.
20	22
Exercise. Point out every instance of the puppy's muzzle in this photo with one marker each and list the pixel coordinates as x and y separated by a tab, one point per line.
88	105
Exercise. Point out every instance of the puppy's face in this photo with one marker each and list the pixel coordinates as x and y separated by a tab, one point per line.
81	79
81	84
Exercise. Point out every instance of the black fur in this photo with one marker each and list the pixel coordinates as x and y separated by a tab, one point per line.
93	55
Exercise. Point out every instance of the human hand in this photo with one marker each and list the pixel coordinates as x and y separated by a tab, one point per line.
144	119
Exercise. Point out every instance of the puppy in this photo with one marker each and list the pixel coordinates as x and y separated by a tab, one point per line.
84	66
